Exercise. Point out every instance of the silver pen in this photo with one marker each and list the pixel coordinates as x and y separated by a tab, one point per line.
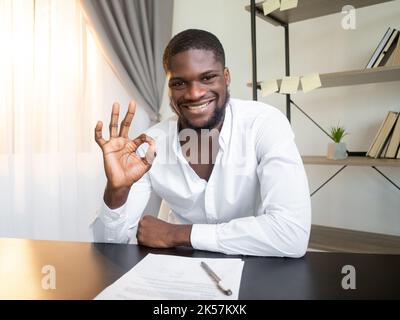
217	279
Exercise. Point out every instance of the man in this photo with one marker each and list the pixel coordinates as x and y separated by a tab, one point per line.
246	193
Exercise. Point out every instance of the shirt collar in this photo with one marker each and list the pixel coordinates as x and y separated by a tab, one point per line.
225	134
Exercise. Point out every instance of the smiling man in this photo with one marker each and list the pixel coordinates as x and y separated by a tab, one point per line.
229	169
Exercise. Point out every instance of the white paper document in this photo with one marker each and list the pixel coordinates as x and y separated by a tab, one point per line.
165	277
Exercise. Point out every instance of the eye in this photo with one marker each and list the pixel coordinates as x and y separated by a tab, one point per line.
177	84
209	77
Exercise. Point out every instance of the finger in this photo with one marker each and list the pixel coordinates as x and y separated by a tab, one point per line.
126	123
114	121
98	134
138	141
151	151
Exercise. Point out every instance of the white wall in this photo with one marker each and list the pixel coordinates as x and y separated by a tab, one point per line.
358	198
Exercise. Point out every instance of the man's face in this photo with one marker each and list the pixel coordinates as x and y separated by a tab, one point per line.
198	88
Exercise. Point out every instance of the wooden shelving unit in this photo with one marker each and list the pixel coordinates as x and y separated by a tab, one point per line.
352	161
327	238
309	9
354	77
345	240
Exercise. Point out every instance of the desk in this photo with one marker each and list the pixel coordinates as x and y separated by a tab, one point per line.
84	269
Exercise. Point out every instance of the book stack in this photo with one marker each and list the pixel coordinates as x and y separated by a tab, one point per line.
387	53
386	143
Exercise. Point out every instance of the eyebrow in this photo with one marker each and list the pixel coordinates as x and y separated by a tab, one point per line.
201	75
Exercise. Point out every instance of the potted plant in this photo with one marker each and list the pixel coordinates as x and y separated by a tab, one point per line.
337	149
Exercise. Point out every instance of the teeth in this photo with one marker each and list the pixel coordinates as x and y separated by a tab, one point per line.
199	107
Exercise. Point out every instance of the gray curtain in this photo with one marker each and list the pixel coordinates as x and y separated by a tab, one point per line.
133	34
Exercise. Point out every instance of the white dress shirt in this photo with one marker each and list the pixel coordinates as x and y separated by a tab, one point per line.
256	201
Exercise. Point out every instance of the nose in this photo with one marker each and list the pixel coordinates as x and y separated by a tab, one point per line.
195	91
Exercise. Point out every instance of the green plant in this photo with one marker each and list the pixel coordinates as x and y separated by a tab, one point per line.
337	133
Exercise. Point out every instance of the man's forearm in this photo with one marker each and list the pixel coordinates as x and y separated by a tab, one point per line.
115	198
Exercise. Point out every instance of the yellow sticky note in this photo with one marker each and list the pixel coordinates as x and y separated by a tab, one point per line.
288	4
268	87
270	5
310	82
289	84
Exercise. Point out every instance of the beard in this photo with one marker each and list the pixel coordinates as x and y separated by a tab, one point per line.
216	118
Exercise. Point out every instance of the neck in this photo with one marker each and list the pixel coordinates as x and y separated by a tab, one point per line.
201	145
202	133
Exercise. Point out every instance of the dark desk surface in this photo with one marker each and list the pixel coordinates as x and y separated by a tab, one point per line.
85	269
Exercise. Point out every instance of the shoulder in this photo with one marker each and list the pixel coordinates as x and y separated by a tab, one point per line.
268	126
256	113
163	135
164	130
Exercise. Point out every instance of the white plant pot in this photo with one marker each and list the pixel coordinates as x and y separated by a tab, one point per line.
337	151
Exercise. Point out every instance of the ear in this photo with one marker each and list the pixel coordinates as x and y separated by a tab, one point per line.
227	76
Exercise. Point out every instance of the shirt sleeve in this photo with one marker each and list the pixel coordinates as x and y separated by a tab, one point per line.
283	226
120	225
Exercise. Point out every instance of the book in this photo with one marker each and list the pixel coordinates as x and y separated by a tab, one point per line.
390	61
379	48
395	57
394	141
382	152
387	133
387	50
382	135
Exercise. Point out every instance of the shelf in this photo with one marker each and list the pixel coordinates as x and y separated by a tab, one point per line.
354	77
309	9
352	161
345	240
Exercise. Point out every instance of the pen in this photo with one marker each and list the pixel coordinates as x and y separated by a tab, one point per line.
217	279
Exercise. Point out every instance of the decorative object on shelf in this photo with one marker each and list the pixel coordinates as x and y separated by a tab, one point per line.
310	82
337	150
270	6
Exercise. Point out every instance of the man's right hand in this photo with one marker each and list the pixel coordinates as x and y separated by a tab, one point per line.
123	167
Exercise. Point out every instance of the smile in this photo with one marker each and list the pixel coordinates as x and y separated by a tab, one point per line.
199	106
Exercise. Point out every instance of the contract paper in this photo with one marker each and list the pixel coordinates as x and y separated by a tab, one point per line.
166	277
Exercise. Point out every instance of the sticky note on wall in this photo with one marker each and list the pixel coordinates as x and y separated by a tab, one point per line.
289	85
270	5
268	87
288	4
310	82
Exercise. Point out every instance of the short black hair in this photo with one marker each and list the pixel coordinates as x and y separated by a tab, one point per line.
193	39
